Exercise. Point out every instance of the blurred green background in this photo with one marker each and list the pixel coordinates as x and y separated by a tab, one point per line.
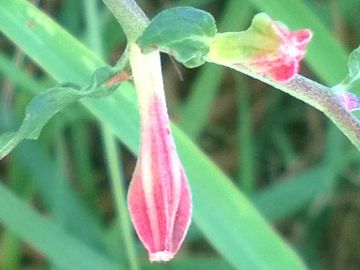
299	171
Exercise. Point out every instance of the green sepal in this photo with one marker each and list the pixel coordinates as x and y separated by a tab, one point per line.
237	47
354	63
353	77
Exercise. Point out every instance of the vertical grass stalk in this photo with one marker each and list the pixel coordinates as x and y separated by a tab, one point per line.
115	174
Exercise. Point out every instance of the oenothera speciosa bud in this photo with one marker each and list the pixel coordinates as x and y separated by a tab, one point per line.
190	35
159	196
267	47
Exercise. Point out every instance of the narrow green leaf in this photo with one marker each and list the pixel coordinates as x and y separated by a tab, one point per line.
59	246
297	192
183	32
44	106
354	63
21	78
302	189
352	79
57	194
228	219
246	141
10	251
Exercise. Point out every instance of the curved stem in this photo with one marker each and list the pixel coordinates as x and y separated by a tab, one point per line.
317	95
130	16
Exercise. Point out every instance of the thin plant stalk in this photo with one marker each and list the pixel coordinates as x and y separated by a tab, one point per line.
130	16
319	96
246	170
115	173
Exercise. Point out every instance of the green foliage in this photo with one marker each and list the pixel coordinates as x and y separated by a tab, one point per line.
62	248
182	32
294	174
44	106
354	63
353	76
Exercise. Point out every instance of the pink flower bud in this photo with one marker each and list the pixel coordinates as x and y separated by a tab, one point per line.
350	101
159	196
283	63
266	46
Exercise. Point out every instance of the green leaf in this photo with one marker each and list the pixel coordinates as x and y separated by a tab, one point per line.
353	77
183	32
62	248
57	194
354	63
44	106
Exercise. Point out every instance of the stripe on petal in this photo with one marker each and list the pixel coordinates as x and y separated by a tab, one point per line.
159	195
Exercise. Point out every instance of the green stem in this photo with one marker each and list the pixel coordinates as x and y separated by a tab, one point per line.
93	32
129	15
115	173
317	95
246	171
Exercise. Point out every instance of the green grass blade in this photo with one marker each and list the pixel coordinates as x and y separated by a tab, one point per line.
17	75
61	248
27	24
57	195
48	103
228	219
246	166
286	198
195	112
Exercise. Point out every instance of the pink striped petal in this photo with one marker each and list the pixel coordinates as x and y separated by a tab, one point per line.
159	196
283	63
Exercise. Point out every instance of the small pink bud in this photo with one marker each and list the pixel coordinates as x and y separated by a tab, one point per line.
266	46
159	197
283	63
350	101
